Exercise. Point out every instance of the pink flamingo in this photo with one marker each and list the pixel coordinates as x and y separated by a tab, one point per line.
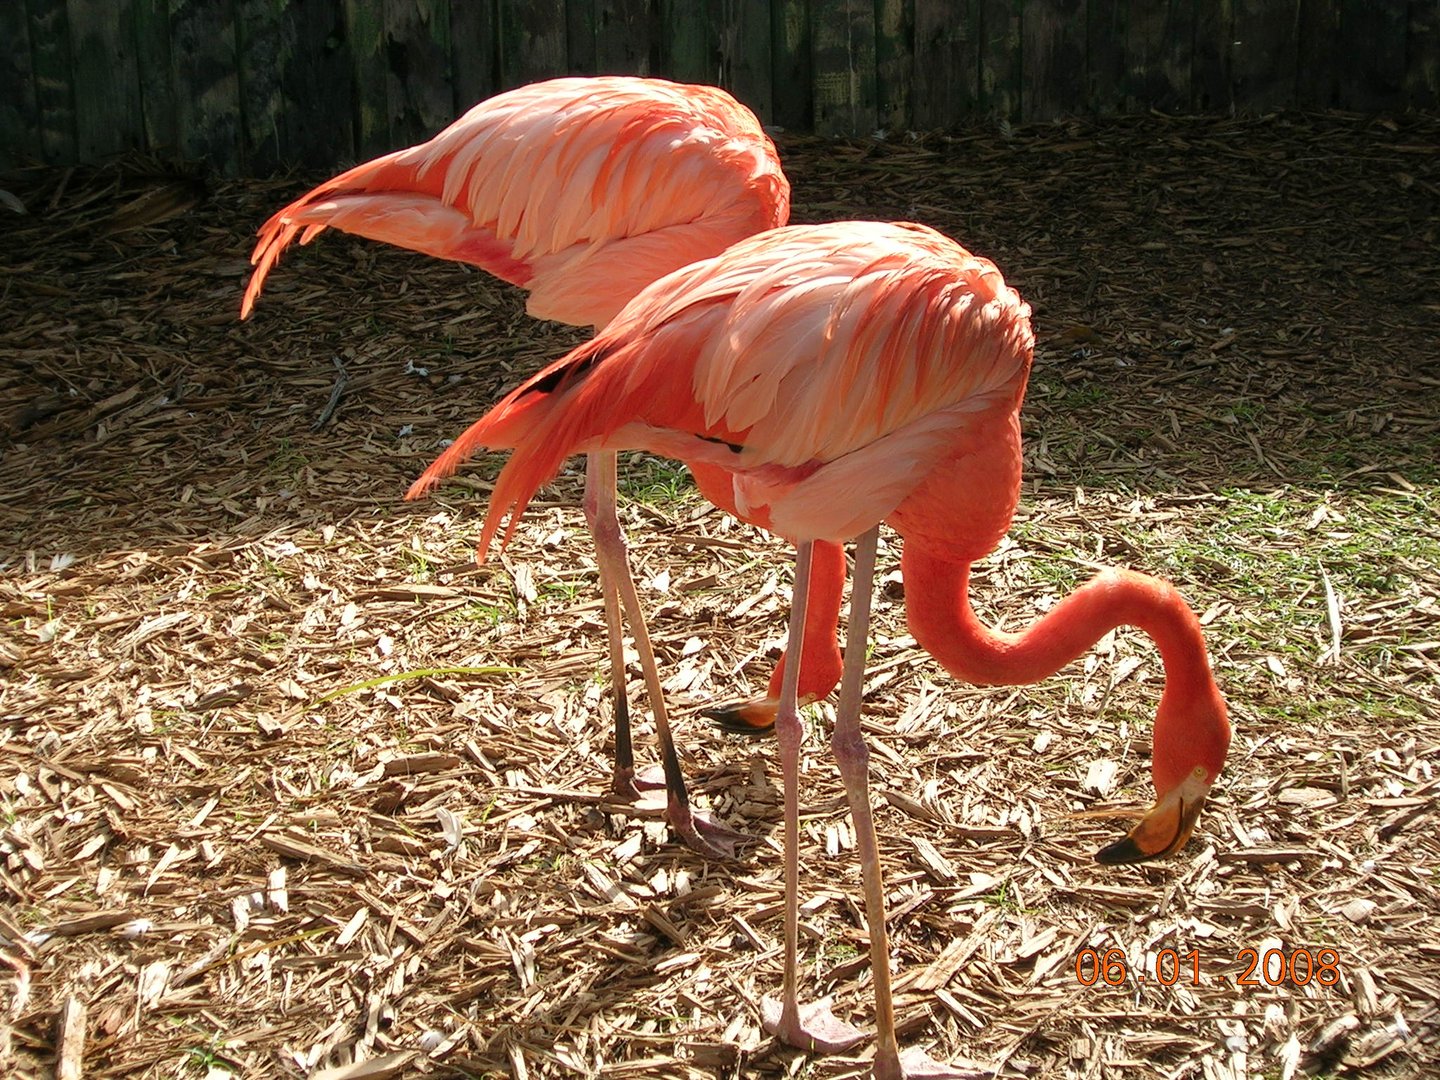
581	191
818	380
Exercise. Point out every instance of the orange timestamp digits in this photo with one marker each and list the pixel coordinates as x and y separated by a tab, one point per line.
1321	966
1273	967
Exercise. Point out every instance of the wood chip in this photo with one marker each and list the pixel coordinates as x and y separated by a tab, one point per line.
412	764
70	1040
379	1068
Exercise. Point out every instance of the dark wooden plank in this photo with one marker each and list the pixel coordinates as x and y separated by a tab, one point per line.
1178	62
258	35
207	85
1052	52
684	42
1263	54
532	41
1422	55
894	64
622	37
107	83
19	114
1210	66
1106	58
1159	48
474	52
946	82
843	51
365	32
1372	36
158	108
742	35
1317	41
581	46
419	91
999	60
54	79
792	73
317	82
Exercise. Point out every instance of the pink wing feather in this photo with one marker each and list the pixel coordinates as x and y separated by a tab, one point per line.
581	190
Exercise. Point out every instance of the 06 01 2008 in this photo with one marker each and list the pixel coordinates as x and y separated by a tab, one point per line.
1171	967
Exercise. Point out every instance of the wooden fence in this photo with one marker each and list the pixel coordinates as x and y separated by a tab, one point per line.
253	85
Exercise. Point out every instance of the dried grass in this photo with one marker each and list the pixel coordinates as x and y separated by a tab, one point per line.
270	807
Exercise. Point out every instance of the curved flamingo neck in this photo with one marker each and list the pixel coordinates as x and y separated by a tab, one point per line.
940	615
1190	726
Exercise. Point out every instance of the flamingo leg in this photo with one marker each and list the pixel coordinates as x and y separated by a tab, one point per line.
812	1027
703	834
853	758
622	783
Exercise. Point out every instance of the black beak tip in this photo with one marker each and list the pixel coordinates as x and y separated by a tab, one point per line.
728	719
1121	853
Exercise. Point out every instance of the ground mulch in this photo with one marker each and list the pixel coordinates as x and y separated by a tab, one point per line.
290	787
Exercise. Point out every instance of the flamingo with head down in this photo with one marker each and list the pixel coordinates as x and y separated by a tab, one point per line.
819	380
581	191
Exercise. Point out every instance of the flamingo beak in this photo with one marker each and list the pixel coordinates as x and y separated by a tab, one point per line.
755	718
1165	828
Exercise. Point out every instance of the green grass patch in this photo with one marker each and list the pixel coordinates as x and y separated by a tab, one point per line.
477	613
656	482
418	673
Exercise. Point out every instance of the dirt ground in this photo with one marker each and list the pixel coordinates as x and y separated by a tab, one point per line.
288	783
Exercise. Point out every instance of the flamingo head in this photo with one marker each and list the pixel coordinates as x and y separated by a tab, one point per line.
1192	735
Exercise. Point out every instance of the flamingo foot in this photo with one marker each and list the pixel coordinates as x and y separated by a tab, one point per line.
810	1027
698	828
703	833
651	779
628	785
623	786
915	1064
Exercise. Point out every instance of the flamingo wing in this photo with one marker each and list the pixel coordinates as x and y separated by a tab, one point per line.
825	368
582	190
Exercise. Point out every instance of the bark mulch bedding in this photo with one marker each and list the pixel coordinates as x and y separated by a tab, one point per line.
291	787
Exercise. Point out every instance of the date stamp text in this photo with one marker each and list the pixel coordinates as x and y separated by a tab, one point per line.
1171	967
